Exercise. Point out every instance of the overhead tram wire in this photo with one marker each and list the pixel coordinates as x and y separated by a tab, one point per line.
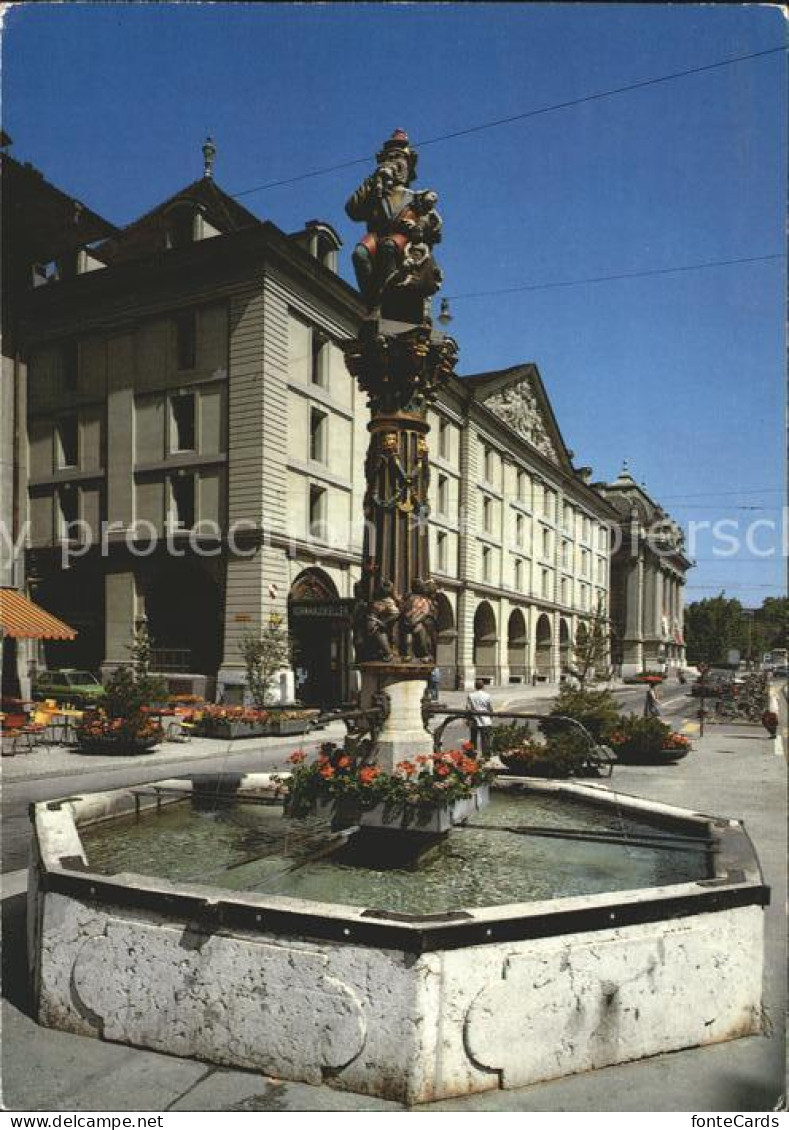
615	278
524	116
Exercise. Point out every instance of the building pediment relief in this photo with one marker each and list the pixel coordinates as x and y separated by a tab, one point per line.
519	407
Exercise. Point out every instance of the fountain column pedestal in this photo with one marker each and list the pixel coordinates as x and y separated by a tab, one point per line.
403	735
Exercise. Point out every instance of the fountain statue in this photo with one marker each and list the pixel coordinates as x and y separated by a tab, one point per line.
400	361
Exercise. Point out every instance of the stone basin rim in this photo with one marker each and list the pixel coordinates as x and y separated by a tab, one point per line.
62	867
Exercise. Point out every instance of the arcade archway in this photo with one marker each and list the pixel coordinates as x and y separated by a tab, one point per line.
320	625
543	641
485	642
517	643
565	646
447	644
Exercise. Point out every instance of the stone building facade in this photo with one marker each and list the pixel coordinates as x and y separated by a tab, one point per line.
196	443
648	576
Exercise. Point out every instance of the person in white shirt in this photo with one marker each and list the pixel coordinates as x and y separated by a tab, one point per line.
480	706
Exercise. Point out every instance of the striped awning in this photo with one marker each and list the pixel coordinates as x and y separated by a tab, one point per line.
22	620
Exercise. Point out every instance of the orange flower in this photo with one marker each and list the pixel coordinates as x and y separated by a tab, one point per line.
327	771
442	770
368	774
297	756
468	746
407	767
343	762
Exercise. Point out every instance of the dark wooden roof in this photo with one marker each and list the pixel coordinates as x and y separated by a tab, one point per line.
145	236
41	222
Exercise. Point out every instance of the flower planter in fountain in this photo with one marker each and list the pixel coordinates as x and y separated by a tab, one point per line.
429	818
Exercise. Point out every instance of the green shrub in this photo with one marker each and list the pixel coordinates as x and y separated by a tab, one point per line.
596	710
643	737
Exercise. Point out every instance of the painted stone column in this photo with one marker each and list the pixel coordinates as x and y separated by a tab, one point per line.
396	614
400	361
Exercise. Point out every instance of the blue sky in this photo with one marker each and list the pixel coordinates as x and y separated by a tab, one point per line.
682	373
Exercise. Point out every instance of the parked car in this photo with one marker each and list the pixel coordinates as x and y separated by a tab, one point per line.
780	672
68	685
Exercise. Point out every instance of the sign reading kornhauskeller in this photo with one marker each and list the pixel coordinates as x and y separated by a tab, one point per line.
323	609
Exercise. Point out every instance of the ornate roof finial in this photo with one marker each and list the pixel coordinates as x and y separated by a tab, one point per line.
625	467
209	153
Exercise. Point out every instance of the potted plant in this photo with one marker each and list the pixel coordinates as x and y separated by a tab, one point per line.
232	722
291	721
122	724
99	733
646	741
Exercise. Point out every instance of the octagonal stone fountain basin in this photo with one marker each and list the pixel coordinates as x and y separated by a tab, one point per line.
498	959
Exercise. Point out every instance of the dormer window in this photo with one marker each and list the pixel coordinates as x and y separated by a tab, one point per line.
180	230
323	243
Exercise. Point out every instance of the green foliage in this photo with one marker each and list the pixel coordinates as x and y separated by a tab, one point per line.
593	653
643	737
716	625
264	655
596	710
508	737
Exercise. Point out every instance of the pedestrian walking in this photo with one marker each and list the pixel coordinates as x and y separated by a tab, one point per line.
651	704
481	707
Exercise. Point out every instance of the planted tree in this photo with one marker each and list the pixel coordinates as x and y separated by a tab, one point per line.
593	650
264	655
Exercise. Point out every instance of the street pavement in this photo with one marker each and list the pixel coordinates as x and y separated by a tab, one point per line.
734	770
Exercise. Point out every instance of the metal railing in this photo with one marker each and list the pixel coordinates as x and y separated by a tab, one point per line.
177	660
599	757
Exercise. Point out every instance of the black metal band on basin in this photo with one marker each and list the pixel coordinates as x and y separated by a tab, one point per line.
415	936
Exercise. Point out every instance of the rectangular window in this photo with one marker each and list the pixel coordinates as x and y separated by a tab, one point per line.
68	511
318	512
487	515
519	575
550	500
441	552
601	570
443	492
563	590
584	562
443	439
519	527
67	442
183	430
602	538
521	487
488	465
486	565
182	501
70	362
546	543
318	430
565	555
546	584
319	359
186	340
